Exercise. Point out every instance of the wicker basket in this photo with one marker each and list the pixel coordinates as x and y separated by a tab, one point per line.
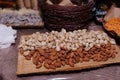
68	17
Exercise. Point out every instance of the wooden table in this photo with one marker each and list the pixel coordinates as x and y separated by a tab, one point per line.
9	57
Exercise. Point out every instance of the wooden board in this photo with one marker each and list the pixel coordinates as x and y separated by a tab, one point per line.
27	67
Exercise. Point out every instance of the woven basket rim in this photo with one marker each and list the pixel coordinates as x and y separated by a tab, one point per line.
59	8
90	1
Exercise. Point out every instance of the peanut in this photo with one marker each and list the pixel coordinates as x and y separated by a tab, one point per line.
26	53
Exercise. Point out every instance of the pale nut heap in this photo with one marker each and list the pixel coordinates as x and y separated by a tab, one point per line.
65	40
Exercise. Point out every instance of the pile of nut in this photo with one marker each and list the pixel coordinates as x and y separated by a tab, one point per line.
56	49
22	17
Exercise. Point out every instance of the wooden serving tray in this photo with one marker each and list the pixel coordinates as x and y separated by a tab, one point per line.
25	67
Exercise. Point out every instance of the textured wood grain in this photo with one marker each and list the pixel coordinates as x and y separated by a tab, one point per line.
27	67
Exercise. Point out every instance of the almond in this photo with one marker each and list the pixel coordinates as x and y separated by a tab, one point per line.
63	63
21	51
28	57
71	54
46	66
52	67
38	66
58	64
47	55
41	51
71	62
35	54
41	59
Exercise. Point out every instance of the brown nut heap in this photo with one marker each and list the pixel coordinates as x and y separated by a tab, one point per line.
52	59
